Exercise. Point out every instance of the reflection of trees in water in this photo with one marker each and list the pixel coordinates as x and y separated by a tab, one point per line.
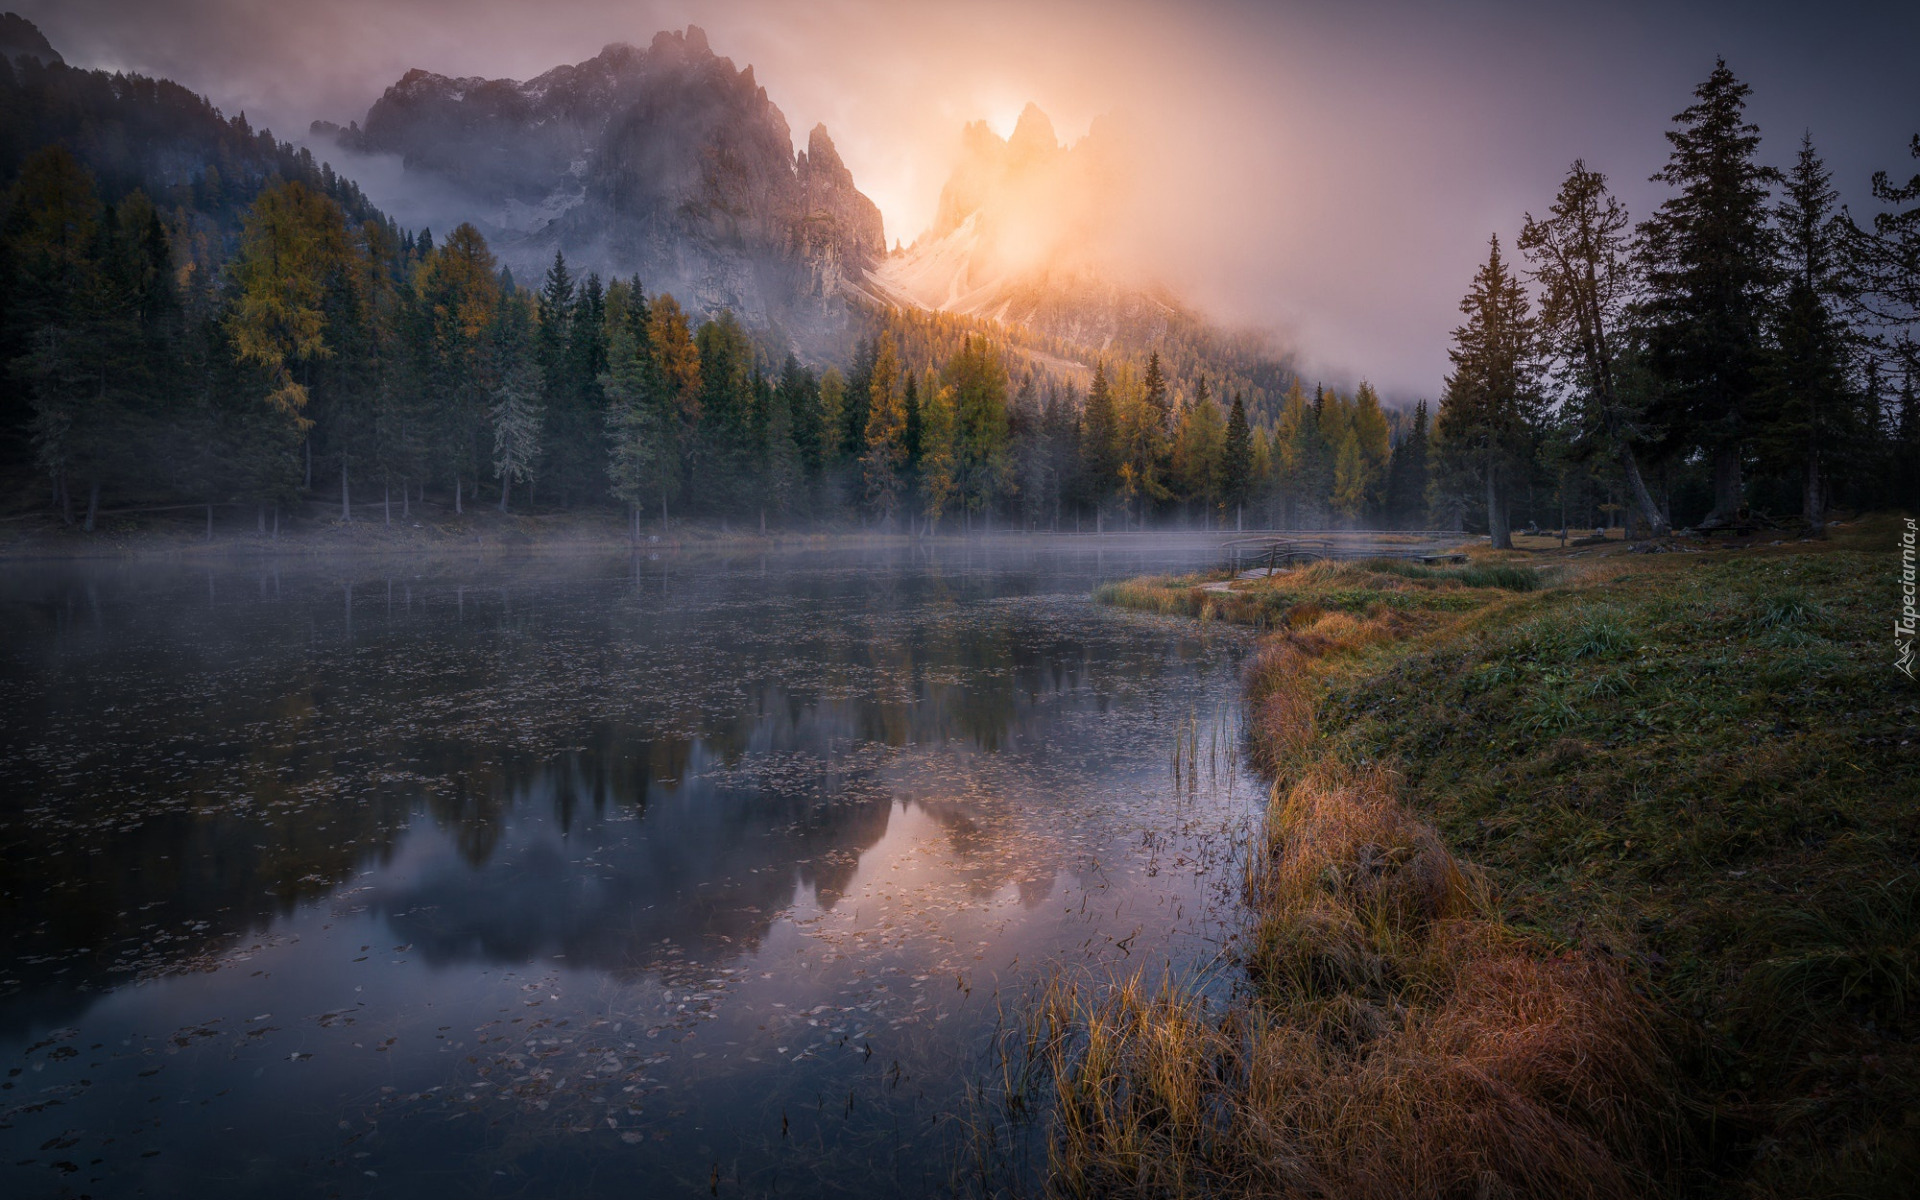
189	755
705	862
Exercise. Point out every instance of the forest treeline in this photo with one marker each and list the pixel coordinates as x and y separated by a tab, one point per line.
259	337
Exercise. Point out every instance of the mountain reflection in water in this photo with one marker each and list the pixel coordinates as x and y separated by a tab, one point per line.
557	830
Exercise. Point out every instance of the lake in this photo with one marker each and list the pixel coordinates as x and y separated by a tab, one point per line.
664	874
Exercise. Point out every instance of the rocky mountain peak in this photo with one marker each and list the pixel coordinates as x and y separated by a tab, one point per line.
668	161
1033	135
821	155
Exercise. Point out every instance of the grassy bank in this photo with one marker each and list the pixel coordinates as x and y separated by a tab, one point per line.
1582	877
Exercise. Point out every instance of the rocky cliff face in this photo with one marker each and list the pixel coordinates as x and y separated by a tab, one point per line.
665	161
1024	234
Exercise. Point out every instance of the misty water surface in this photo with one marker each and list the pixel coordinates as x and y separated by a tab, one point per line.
636	876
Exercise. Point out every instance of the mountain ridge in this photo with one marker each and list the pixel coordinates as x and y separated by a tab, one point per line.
668	162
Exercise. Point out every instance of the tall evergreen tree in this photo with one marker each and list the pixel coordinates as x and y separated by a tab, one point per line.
1492	400
518	391
1580	259
1707	261
643	419
978	378
1236	462
1406	489
724	436
458	287
883	464
1810	416
1886	263
1099	442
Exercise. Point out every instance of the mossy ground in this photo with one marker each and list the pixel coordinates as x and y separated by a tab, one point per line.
1701	769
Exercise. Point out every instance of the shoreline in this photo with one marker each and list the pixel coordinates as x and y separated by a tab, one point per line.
1591	873
487	532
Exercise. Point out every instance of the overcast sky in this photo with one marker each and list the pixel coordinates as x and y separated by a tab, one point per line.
1328	171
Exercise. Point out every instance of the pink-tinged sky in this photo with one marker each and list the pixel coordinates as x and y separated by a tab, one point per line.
1328	171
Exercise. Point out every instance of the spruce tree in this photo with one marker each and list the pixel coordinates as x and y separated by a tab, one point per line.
1406	490
978	379
643	422
1579	257
1236	462
1886	264
1099	442
1809	417
1707	261
1492	401
724	437
884	461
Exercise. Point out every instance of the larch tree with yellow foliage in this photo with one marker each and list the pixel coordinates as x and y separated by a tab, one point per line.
883	465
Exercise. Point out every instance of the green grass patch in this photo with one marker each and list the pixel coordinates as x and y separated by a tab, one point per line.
1709	767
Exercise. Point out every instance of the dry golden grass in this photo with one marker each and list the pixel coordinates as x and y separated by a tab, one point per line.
1400	1041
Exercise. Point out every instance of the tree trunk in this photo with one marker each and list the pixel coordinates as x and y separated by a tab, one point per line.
1239	518
1656	520
209	522
663	511
93	503
260	519
1814	496
346	506
406	508
456	495
307	445
1726	487
506	485
763	522
1497	513
386	501
276	520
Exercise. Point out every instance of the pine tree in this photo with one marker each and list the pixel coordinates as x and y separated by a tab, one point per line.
555	334
1886	265
1236	462
1350	477
884	461
458	287
1294	453
517	415
780	471
1492	402
1707	260
1406	490
1579	257
979	382
805	416
643	420
937	461
1374	443
1099	442
723	437
1197	445
1809	416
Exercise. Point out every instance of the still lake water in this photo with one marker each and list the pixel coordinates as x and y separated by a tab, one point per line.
642	876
